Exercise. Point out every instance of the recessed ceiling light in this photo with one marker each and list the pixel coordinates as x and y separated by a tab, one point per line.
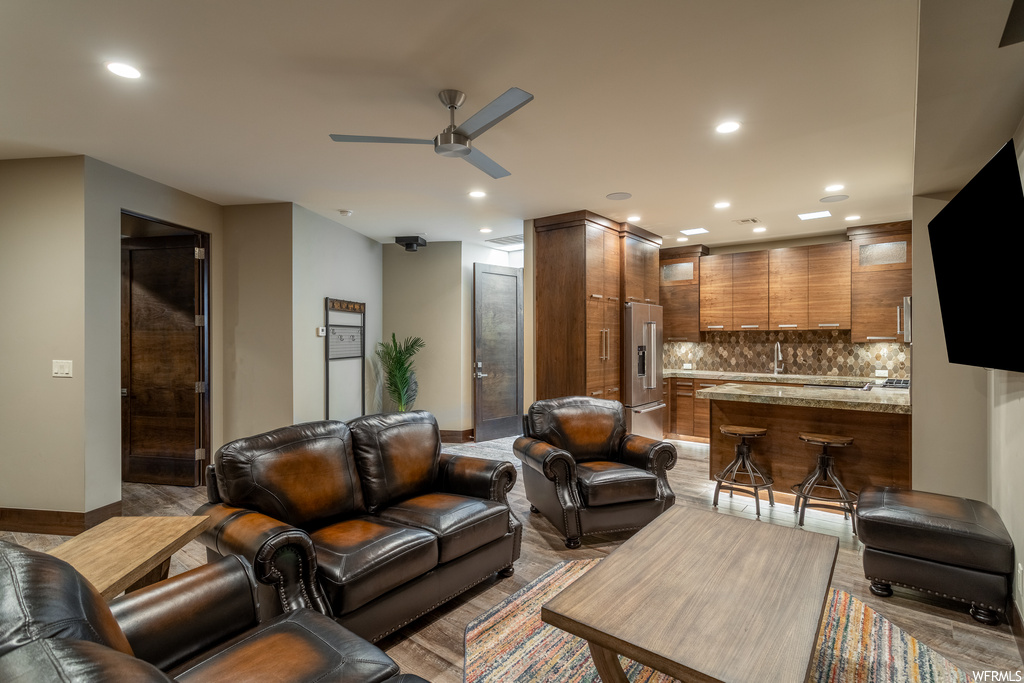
682	239
728	127
853	218
123	70
477	193
618	196
722	205
632	219
485	230
694	231
760	229
833	188
345	212
814	214
834	198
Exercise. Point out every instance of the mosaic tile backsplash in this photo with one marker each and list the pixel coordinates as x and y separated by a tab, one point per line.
809	352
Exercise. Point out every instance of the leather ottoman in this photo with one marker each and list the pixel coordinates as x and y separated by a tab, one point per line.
956	548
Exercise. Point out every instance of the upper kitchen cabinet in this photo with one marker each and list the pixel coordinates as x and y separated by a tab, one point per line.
716	292
680	292
881	270
639	259
787	288
578	305
750	290
809	287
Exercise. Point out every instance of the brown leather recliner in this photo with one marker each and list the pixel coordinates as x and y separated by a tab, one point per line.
585	474
202	625
368	522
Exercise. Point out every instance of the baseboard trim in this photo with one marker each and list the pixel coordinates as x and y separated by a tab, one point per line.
1017	626
59	522
455	436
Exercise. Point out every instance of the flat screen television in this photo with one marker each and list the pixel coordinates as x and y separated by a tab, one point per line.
977	243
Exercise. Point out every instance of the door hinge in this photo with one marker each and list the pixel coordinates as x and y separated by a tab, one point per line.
200	321
200	387
200	454
200	253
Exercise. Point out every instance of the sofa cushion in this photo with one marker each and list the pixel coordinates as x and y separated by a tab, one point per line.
363	558
588	428
606	483
397	455
303	645
932	526
462	524
42	596
60	660
299	474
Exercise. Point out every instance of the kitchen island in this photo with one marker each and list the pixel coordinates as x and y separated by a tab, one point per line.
878	420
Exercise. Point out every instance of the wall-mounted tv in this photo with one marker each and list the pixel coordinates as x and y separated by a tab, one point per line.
977	245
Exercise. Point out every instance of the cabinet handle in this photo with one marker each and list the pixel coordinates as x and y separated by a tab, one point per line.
613	298
898	322
881	338
828	324
787	326
677	338
686	394
749	327
632	298
596	393
716	327
709	385
650	301
613	390
596	296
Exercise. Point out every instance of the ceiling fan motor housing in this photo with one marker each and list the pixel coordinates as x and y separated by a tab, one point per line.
451	144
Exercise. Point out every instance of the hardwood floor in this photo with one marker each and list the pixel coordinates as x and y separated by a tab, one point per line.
432	647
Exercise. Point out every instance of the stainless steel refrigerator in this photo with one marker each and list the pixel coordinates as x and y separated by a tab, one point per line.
641	370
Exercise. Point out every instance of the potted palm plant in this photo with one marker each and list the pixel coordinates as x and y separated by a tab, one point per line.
399	375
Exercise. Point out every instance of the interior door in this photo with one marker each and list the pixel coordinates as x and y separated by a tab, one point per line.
497	351
163	360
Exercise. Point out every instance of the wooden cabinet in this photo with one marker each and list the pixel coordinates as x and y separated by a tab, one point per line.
682	406
828	286
639	267
881	271
716	292
666	398
702	408
787	287
750	291
680	293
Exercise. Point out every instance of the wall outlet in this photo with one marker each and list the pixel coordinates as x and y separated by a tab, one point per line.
321	331
881	373
687	366
62	368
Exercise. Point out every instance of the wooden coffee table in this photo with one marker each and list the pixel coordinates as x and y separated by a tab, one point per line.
126	553
703	596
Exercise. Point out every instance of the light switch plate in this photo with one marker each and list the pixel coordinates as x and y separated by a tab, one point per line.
321	331
881	373
62	368
687	366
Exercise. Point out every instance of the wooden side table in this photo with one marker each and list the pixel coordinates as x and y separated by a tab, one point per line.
127	553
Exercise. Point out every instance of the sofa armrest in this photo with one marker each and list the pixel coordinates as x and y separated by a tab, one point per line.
178	618
478	477
657	457
546	459
281	555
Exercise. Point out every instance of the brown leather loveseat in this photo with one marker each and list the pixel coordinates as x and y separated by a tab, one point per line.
368	522
202	625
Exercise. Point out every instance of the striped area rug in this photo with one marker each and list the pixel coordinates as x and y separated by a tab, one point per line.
510	644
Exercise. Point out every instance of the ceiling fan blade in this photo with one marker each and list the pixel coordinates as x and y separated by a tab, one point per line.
485	164
501	107
376	138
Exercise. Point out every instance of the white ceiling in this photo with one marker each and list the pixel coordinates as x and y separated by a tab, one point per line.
238	97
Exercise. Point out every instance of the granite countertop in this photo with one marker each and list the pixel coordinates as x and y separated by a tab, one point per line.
877	400
831	380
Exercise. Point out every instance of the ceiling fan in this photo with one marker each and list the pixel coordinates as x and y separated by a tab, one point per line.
455	141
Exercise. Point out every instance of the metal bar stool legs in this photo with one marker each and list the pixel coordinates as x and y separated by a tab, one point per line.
822	484
742	467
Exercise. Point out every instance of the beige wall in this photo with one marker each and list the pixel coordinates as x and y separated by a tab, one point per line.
328	260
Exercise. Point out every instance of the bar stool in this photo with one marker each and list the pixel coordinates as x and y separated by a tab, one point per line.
728	479
822	484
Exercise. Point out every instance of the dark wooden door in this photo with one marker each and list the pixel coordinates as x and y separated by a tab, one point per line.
497	351
163	359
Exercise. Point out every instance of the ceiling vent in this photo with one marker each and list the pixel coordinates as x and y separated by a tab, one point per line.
509	241
747	221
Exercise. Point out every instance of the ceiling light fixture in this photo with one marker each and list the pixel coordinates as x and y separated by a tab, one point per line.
722	205
853	218
694	231
485	230
477	193
761	229
123	70
682	239
833	188
618	196
632	219
728	127
814	214
346	212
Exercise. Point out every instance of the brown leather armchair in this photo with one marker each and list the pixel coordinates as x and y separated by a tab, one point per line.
199	626
585	474
368	522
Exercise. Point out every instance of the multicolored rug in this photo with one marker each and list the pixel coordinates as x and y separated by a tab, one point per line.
510	644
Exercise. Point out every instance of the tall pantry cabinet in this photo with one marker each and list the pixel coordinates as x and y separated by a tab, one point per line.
579	288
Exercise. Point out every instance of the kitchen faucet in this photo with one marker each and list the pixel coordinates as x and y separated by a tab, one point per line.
778	364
